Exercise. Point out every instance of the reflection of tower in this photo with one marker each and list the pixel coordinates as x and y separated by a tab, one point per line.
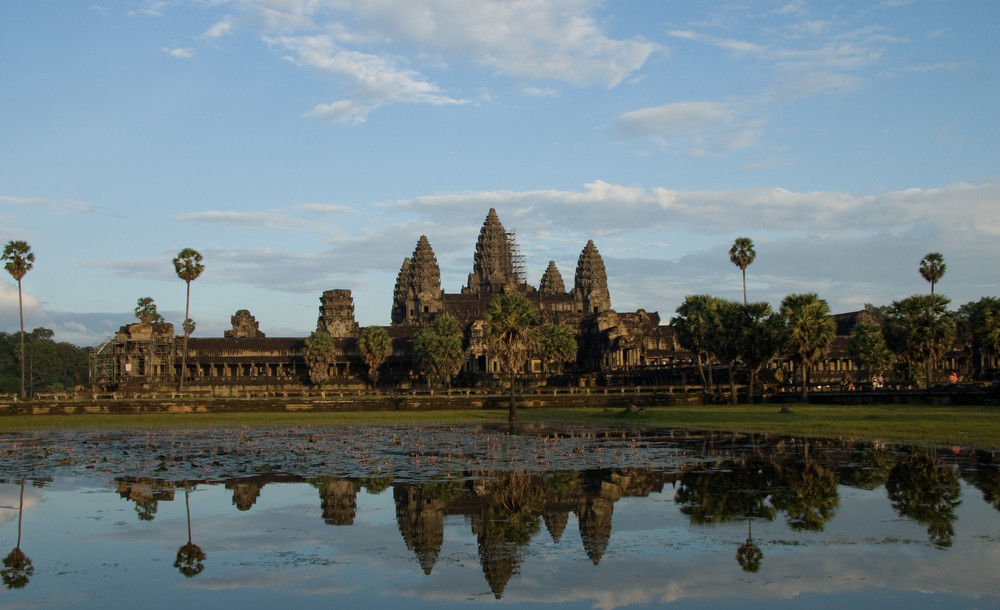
245	493
339	499
556	519
594	515
421	522
146	493
500	559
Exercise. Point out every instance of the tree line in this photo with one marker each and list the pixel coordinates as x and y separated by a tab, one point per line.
905	339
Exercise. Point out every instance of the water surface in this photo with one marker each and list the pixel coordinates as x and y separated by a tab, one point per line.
458	516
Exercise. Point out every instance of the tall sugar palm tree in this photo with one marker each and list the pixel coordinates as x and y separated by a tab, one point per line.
741	255
512	337
188	266
809	331
932	268
19	259
375	346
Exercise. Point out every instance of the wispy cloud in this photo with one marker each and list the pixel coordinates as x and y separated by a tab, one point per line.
54	204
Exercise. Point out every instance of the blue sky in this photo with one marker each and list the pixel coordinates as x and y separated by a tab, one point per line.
305	145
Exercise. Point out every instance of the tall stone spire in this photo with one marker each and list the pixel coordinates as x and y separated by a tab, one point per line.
552	281
493	263
418	286
590	286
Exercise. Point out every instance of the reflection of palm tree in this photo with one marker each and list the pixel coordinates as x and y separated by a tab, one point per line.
17	567
809	496
749	554
736	490
190	557
924	488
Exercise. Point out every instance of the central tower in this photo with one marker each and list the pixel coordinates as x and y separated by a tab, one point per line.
493	268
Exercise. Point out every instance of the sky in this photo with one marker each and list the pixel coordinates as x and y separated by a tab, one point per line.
306	145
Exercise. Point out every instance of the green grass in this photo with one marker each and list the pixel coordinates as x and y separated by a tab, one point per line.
968	426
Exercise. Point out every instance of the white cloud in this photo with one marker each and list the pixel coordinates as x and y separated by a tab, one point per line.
362	42
674	118
377	81
219	29
186	53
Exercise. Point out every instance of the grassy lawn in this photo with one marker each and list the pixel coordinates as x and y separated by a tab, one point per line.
968	426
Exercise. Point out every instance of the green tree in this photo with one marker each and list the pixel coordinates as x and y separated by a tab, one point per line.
438	349
984	316
49	366
320	352
695	324
742	255
726	339
932	268
512	337
920	330
867	345
558	345
145	310
375	347
809	331
759	338
188	266
20	259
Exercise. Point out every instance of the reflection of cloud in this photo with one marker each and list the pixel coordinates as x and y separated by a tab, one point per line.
10	500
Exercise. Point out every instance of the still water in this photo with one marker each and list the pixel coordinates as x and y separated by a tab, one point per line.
460	516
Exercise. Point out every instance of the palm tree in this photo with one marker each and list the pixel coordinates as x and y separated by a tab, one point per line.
375	346
145	310
319	353
759	339
19	259
559	345
741	255
809	331
438	349
932	268
512	337
920	330
188	266
696	319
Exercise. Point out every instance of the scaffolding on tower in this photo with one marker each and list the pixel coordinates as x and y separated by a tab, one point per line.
516	258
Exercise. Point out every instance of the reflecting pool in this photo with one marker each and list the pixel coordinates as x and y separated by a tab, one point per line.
459	516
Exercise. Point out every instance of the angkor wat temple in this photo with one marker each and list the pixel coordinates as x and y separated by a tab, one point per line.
623	348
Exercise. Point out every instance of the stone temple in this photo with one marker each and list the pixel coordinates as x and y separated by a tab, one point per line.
145	356
614	348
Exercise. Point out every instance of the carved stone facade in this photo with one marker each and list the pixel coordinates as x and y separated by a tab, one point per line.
245	326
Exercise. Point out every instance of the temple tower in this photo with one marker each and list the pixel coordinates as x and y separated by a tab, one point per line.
493	264
336	314
590	286
418	295
552	281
